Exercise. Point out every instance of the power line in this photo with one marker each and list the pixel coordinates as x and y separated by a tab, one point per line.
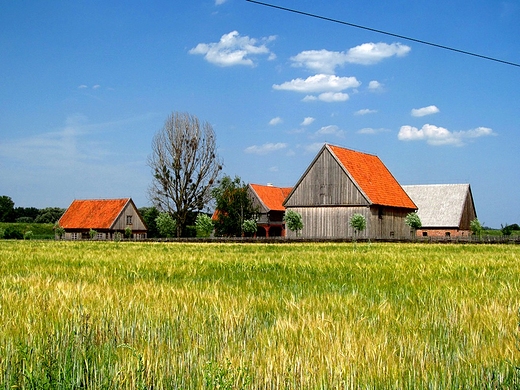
384	32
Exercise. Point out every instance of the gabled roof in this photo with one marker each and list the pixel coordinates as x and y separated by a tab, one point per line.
372	177
93	214
272	197
440	205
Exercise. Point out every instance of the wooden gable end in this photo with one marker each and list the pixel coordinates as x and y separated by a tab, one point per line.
325	183
256	201
129	217
468	211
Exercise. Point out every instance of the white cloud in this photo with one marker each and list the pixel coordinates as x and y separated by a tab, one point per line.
82	86
265	148
365	111
97	86
369	130
325	61
418	112
307	121
319	83
331	97
219	2
330	130
233	49
375	86
309	98
275	121
372	53
435	135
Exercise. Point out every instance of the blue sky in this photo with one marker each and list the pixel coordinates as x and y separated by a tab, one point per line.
85	85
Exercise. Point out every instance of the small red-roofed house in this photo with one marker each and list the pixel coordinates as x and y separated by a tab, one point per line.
268	200
105	216
342	182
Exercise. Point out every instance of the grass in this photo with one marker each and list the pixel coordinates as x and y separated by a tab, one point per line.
181	315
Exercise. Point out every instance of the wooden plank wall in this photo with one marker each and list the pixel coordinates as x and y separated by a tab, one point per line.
334	222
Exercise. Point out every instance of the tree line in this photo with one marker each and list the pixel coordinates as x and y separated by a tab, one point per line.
10	213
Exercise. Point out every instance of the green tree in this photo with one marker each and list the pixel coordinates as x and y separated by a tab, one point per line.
7	213
359	223
26	214
293	221
204	225
476	228
149	215
92	234
413	221
506	230
49	215
233	206
185	167
166	225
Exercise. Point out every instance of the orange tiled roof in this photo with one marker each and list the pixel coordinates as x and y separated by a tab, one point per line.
92	214
373	178
272	197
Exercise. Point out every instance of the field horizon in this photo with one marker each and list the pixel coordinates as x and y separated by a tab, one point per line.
258	316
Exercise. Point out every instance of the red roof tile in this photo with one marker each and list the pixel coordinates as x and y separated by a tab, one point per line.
92	214
272	197
373	178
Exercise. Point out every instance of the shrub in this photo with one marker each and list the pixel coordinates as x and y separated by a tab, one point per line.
59	231
28	235
12	233
92	234
204	225
166	225
358	222
476	227
413	220
249	227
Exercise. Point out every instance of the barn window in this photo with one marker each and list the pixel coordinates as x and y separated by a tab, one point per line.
380	213
128	219
75	236
425	234
392	234
448	234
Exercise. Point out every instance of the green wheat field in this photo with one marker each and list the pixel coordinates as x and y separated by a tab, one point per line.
108	315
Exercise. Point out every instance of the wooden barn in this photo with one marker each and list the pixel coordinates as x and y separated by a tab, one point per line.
269	199
105	216
340	183
445	210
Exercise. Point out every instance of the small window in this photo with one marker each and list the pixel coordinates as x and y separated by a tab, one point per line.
128	219
392	234
425	234
380	213
448	234
75	236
